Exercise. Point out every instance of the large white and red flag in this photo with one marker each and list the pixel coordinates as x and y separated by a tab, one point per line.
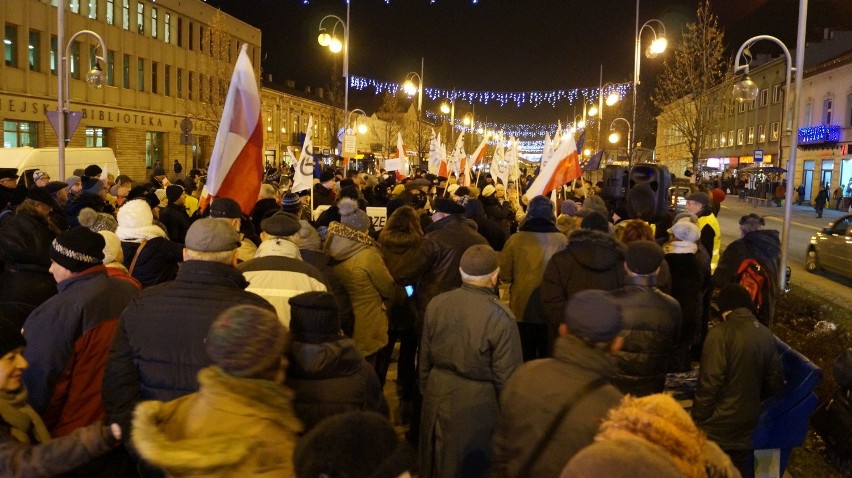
499	165
402	172
236	165
303	172
563	166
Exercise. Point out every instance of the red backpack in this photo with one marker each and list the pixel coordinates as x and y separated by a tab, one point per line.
753	276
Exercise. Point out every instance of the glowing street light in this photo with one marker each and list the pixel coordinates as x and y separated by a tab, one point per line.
615	137
336	45
658	46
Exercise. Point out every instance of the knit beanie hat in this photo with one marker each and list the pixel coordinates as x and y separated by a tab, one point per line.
247	341
314	317
92	185
10	337
38	174
700	197
353	217
479	260
93	170
685	231
97	221
72	180
643	257
733	296
77	249
327	174
569	207
540	207
174	192
595	222
354	444
291	203
593	315
112	248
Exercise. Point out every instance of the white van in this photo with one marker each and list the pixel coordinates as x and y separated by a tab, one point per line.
28	159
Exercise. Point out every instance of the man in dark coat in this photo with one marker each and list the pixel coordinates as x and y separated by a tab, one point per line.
593	260
652	322
158	347
8	181
326	371
762	245
68	336
324	190
470	347
174	216
539	391
740	368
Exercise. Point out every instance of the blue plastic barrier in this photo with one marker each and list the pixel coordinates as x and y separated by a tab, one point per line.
784	417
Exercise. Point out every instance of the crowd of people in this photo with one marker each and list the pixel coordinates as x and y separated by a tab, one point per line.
143	336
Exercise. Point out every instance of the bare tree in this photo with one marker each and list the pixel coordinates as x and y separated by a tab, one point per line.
392	116
416	133
683	93
212	90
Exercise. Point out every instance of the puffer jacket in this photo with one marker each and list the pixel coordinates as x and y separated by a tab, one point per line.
361	269
592	260
26	282
435	268
67	342
763	246
740	368
233	427
158	347
330	378
524	258
651	322
157	262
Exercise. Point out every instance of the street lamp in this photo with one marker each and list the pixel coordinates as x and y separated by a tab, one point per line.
615	137
467	120
336	45
361	127
95	78
658	45
747	90
411	89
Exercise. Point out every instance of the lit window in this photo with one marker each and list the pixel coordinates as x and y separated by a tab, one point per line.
53	57
10	45
110	12
125	14
740	136
19	133
750	135
95	137
761	133
140	18
74	6
154	23
167	27
93	9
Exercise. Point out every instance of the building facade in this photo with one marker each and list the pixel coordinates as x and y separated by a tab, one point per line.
165	62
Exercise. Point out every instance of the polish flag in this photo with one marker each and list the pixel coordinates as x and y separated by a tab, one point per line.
479	153
236	165
403	158
562	167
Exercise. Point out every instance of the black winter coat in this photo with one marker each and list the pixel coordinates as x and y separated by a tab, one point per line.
763	246
26	282
491	229
176	220
157	261
159	345
651	329
687	290
331	378
84	200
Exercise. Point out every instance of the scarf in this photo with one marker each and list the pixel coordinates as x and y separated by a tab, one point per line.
21	417
680	247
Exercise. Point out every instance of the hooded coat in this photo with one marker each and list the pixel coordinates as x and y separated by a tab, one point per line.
592	260
765	247
330	378
26	281
232	427
492	230
361	269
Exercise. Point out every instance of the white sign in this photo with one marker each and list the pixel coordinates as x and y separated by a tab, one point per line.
758	155
349	149
379	216
392	164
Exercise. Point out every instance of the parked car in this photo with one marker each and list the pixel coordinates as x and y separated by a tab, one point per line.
831	248
678	192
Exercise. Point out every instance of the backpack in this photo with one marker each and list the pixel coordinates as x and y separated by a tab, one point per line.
753	276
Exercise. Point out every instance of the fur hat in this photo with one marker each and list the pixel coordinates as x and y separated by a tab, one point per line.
280	224
593	315
41	195
734	296
700	197
685	231
479	260
314	317
569	207
353	217
112	248
212	235
174	192
541	207
10	337
595	222
225	208
488	190
97	221
355	444
77	249
247	341
643	257
136	221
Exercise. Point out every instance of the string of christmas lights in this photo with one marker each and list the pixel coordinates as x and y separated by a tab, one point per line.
519	130
518	98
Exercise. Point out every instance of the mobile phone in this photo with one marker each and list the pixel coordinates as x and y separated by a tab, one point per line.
409	290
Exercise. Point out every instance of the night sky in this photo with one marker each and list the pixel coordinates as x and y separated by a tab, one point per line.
502	45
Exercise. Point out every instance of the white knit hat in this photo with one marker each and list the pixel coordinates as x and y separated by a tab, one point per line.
112	250
136	222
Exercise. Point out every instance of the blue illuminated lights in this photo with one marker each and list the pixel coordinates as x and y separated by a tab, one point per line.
824	133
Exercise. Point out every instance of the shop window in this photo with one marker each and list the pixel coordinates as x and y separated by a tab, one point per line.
20	133
154	149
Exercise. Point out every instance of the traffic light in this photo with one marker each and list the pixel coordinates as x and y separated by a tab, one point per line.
647	193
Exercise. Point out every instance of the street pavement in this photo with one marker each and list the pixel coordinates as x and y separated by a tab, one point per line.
803	224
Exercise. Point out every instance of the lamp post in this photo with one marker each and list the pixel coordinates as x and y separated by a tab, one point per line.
658	46
410	89
95	78
449	108
748	90
614	137
468	121
335	45
361	128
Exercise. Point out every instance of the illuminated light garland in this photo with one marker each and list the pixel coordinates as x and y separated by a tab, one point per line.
518	98
824	133
528	130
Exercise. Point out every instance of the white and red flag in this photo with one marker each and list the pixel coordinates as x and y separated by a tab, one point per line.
236	165
563	166
303	172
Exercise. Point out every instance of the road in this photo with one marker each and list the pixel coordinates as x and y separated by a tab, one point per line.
803	224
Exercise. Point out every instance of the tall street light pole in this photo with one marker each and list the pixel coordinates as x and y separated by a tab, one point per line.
658	45
410	89
335	45
614	137
449	108
748	90
95	78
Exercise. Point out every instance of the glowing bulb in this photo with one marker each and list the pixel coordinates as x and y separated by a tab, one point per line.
581	124
362	128
659	45
445	108
466	121
324	39
746	91
409	88
336	46
612	99
614	137
593	111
